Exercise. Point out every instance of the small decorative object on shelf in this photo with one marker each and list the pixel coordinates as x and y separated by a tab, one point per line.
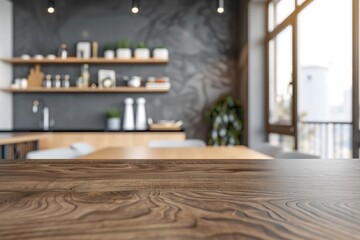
63	52
106	78
85	75
39	57
24	83
123	50
141	114
158	83
161	53
47	81
35	77
57	82
142	52
25	57
66	81
83	50
109	52
113	119
95	49
16	84
129	123
225	116
50	57
134	81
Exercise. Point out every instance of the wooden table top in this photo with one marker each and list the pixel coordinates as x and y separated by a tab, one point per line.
148	199
216	153
12	138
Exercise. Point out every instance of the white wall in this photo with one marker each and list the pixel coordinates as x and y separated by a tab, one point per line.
256	68
6	48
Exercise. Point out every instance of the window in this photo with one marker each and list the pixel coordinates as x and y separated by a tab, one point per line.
309	83
283	9
280	76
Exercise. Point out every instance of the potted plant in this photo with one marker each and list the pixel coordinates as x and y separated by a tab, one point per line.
161	52
142	52
225	117
109	52
123	49
113	119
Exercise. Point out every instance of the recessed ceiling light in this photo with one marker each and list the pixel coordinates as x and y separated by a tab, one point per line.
135	6
220	6
51	6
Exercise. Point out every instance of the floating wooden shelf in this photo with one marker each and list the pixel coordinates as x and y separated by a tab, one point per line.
74	60
86	90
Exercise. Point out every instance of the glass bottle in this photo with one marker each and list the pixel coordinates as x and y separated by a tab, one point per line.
85	74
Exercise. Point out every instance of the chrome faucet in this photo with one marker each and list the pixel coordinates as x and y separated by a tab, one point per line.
46	121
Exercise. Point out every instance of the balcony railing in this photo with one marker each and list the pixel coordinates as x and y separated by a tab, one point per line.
326	139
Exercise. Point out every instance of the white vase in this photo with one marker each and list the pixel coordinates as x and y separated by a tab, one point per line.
113	124
109	54
161	53
142	53
123	53
141	114
129	123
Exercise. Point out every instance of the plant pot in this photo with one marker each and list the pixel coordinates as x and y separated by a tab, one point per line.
113	124
142	53
109	54
123	53
161	53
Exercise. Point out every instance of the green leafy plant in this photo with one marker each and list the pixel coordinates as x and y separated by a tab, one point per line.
225	116
109	46
124	44
113	113
141	45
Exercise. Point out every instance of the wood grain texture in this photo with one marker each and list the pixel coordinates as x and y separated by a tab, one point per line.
90	199
215	153
100	140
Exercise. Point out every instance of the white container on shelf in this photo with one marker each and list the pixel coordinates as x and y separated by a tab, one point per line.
109	54
134	82
161	53
24	83
113	124
142	53
129	123
123	53
141	123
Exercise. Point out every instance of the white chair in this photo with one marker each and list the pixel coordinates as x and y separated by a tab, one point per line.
296	155
58	153
190	143
269	150
82	148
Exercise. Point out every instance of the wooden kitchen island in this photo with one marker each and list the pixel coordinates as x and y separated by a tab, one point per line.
192	199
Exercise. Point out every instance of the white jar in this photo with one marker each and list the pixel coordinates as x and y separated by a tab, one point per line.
123	53
134	82
161	53
24	83
129	123
113	124
141	123
109	54
142	53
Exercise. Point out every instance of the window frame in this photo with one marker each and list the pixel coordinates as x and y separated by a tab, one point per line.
291	20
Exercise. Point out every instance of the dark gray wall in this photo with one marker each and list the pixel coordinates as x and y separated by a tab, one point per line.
202	44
